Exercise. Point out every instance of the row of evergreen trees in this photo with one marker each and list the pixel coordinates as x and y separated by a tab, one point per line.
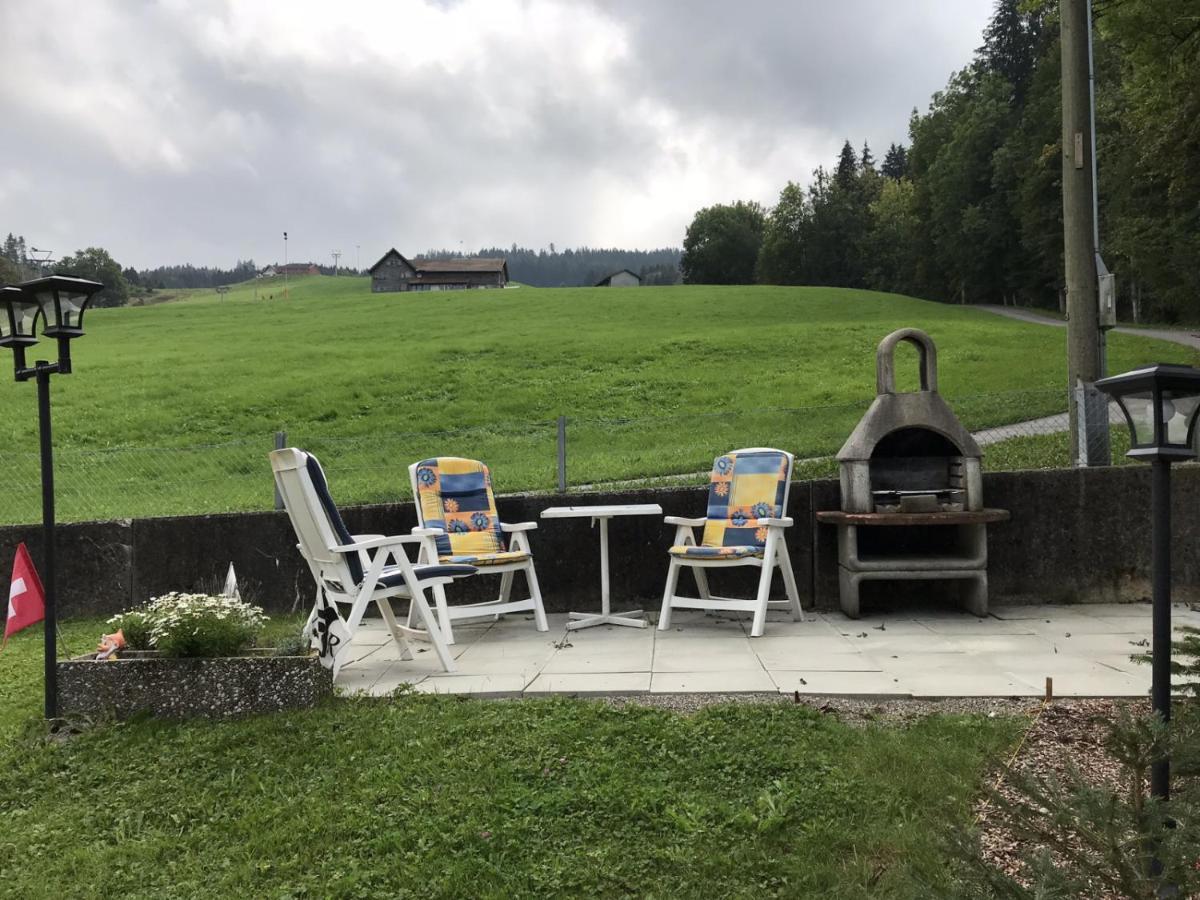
971	210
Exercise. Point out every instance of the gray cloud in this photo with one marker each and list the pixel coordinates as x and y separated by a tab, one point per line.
200	131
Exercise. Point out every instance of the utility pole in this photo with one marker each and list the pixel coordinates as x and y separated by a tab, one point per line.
1088	407
285	265
336	254
357	266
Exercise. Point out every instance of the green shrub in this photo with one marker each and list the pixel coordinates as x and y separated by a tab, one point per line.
293	644
203	625
135	626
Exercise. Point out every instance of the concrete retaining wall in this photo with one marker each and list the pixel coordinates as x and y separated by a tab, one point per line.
1075	536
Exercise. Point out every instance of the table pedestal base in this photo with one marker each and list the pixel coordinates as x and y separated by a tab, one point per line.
587	620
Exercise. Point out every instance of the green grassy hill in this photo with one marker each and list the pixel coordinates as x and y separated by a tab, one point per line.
376	381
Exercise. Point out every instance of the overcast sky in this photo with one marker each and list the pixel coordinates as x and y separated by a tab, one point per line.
200	130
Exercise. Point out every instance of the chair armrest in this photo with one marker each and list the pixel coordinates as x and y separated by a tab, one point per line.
394	540
784	522
427	532
680	520
517	526
366	537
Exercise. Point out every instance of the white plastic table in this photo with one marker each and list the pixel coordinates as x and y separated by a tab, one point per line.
602	514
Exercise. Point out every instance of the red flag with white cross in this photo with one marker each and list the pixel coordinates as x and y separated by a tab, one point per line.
26	602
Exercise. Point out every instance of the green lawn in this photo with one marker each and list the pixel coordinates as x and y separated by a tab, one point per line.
441	797
173	406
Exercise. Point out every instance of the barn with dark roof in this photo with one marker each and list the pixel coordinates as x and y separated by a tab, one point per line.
395	273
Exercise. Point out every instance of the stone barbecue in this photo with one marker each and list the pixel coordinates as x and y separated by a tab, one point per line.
912	488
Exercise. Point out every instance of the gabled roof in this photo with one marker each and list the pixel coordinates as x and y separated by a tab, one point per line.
607	278
391	252
461	264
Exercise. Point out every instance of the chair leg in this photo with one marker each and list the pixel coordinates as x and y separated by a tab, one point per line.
535	594
429	621
506	580
789	582
664	616
701	582
764	593
439	597
389	617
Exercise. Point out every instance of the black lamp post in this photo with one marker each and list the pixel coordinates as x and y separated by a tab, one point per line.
59	302
1161	403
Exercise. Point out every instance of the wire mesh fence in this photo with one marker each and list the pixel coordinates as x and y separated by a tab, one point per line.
1018	429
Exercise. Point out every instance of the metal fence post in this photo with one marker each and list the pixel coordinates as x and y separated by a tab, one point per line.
562	454
280	443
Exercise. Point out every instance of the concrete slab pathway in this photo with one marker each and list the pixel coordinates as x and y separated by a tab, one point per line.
904	653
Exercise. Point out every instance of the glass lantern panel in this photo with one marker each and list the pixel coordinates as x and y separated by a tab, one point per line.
70	304
23	316
45	299
1140	410
25	312
1179	408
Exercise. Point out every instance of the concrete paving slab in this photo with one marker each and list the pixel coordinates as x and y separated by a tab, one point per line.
1001	643
1128	624
919	662
1105	610
986	625
711	682
494	685
884	642
579	661
1016	613
1093	644
580	683
881	624
1089	625
870	684
817	661
674	658
829	642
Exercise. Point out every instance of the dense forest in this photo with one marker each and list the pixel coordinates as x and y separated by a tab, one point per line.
971	209
580	266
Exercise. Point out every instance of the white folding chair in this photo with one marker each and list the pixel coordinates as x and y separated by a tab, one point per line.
355	569
747	498
455	502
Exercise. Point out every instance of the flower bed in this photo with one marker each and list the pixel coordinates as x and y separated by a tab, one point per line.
185	655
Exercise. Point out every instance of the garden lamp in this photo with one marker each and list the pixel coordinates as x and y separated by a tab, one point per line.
59	302
1161	403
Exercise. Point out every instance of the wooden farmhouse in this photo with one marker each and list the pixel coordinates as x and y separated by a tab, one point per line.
623	278
395	273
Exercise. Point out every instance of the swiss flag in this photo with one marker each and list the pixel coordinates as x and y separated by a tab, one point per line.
26	602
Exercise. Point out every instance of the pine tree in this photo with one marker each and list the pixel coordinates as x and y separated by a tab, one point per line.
866	161
847	167
1010	44
895	163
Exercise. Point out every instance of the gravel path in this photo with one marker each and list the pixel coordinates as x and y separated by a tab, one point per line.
1187	338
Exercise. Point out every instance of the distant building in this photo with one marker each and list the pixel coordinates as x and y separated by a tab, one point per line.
290	269
624	278
395	273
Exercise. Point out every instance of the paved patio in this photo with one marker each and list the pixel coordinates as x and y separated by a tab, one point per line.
918	653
